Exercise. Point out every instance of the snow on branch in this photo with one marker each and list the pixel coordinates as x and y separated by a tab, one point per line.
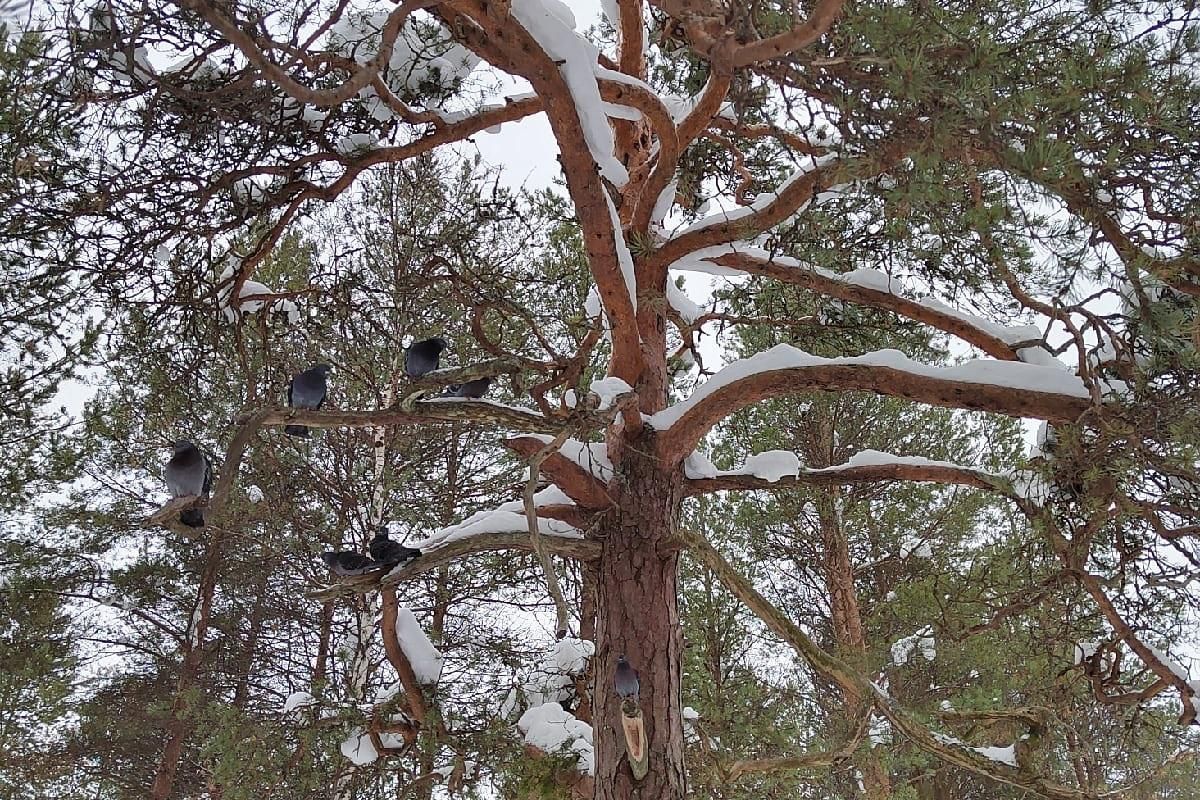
538	42
780	469
873	288
582	469
552	26
768	210
1005	387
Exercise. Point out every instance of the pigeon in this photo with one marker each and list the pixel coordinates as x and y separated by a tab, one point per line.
189	472
385	551
307	391
347	562
472	390
626	680
422	356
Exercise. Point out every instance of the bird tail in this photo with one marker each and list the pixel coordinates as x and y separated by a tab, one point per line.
193	518
296	430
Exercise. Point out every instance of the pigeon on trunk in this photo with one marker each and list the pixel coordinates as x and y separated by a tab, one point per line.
307	391
626	680
188	473
347	562
385	551
472	390
423	356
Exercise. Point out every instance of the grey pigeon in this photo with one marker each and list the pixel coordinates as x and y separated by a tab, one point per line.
347	562
472	390
189	472
307	391
626	679
385	551
423	356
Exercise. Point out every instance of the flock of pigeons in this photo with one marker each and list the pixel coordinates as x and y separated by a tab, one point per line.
189	471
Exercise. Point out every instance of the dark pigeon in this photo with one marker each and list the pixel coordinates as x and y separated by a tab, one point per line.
189	472
307	391
347	562
423	356
626	680
385	551
472	390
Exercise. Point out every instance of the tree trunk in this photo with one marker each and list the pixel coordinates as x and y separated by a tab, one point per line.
178	723
638	616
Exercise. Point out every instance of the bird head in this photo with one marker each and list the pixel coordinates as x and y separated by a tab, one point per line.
621	659
181	446
323	368
381	532
440	343
330	558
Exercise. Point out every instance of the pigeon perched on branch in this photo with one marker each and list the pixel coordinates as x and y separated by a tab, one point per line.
385	551
347	562
307	391
188	473
626	680
423	356
472	390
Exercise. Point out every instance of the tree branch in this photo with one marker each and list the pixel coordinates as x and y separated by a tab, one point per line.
430	560
799	274
836	476
800	36
684	424
575	481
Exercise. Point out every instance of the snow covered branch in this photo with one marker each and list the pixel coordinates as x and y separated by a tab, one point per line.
873	288
775	471
560	64
746	223
580	470
1004	387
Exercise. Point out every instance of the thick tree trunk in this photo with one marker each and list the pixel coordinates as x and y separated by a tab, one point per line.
638	616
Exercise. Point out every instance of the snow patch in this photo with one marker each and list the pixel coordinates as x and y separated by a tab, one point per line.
426	660
297	700
608	389
922	640
551	729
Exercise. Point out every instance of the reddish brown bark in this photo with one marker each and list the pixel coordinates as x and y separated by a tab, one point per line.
638	616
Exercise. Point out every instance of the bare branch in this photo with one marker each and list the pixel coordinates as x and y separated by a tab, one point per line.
800	36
